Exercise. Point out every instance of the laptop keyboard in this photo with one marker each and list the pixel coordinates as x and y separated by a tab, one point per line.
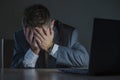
74	70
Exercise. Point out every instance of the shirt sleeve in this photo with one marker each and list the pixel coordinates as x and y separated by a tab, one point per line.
54	50
30	59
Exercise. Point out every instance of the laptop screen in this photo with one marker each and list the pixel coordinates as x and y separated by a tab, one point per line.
105	47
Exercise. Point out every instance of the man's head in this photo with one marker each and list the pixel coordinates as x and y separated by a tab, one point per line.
38	28
36	16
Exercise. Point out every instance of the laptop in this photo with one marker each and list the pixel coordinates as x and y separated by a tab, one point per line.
105	49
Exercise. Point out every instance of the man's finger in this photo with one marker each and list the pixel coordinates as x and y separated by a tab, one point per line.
46	31
31	36
40	31
34	42
38	41
38	35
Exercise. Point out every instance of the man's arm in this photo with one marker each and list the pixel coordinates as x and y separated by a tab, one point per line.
74	55
24	57
30	59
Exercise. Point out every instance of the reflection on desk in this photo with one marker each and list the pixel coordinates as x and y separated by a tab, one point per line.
48	74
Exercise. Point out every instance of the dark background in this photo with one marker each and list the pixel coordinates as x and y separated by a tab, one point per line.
78	13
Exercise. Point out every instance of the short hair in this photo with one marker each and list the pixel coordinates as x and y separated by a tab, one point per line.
35	16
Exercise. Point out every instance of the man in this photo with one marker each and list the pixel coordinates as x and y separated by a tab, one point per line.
45	42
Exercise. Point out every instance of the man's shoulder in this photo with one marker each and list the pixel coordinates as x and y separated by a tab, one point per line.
19	33
20	39
60	24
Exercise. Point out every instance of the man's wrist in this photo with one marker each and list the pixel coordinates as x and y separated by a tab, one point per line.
36	52
54	50
50	48
30	59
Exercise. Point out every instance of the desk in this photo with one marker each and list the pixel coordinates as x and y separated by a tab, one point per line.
47	74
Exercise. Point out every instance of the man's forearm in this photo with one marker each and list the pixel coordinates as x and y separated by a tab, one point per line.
54	50
76	56
30	59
